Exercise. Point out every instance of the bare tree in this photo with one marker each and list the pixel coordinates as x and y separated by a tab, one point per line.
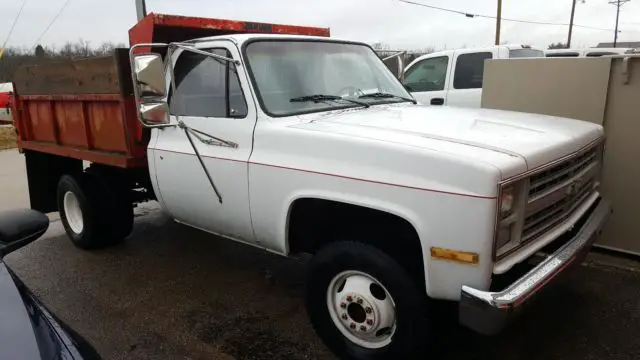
15	57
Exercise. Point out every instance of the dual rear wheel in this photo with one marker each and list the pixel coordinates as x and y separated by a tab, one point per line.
96	211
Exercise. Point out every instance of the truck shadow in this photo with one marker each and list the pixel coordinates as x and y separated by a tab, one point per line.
203	297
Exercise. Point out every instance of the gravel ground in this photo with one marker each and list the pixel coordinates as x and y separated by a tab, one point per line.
171	292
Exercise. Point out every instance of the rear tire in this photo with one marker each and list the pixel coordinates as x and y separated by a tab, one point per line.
80	211
93	215
353	290
121	213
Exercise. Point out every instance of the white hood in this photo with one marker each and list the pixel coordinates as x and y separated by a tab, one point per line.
537	139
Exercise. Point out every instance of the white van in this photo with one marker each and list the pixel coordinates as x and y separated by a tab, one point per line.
454	77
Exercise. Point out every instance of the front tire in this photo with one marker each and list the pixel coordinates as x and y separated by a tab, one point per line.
364	305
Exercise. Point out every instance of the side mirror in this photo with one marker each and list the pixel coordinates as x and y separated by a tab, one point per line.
18	228
149	86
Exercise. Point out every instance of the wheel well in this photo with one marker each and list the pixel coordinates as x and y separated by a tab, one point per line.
136	183
45	170
43	173
314	223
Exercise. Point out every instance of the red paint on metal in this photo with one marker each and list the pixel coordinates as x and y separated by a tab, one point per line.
142	32
73	97
167	28
91	127
101	157
4	100
107	126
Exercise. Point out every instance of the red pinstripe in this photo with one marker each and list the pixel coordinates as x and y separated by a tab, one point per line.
339	176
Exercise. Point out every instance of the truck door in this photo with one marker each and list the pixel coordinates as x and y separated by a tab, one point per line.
211	98
427	80
465	84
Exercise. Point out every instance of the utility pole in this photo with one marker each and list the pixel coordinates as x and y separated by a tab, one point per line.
573	11
618	4
498	21
141	9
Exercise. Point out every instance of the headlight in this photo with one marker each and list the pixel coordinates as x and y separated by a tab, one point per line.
508	218
506	201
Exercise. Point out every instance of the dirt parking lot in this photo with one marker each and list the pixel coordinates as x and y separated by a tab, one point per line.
171	292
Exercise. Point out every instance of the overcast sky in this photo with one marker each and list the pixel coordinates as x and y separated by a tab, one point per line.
399	24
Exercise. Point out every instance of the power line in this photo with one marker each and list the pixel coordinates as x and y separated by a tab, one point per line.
472	15
64	6
15	21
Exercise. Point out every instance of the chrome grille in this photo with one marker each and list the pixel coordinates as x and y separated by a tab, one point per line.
556	193
557	212
542	182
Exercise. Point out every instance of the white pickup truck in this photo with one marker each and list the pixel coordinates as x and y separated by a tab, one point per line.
454	77
301	144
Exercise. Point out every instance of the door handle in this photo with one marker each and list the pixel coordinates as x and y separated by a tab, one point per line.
437	101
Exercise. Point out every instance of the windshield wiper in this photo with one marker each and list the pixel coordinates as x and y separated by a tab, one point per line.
383	95
321	97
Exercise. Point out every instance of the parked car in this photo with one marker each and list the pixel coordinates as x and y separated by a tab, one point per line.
28	330
454	77
307	144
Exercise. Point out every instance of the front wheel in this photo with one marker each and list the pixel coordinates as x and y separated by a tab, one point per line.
364	305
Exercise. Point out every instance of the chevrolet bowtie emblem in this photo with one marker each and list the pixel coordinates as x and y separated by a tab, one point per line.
573	188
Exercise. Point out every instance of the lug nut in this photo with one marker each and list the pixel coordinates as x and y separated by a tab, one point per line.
344	317
363	328
360	301
368	310
349	298
343	305
369	322
353	326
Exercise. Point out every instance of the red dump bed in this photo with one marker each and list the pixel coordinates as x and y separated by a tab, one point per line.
85	109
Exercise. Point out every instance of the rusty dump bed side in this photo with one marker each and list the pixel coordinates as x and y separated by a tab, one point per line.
85	109
82	109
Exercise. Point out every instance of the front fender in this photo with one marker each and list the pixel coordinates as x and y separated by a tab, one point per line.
444	220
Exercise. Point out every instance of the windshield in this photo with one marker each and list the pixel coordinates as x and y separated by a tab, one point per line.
289	70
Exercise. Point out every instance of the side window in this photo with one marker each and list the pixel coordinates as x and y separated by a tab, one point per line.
207	87
470	70
427	75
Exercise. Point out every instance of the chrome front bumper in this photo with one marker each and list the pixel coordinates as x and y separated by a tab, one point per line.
489	312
